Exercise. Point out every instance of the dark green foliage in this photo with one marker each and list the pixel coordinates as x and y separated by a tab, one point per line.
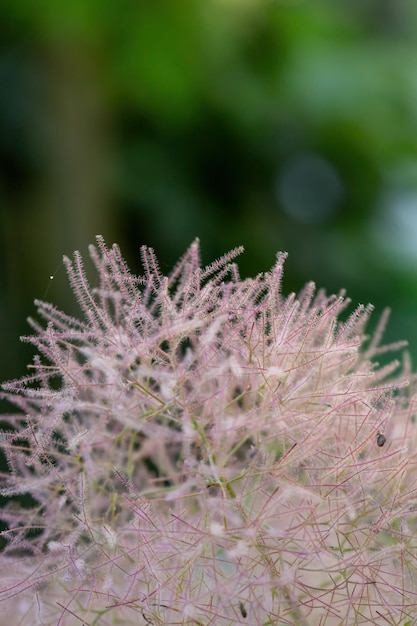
272	124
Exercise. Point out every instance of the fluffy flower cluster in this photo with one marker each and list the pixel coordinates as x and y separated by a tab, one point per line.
201	450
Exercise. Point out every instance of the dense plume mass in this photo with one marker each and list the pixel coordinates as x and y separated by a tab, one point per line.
200	449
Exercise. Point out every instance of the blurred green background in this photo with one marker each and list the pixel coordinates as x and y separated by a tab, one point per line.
276	124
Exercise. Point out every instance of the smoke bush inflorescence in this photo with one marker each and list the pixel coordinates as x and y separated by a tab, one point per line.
199	449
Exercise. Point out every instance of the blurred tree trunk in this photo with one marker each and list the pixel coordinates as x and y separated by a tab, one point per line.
70	200
75	203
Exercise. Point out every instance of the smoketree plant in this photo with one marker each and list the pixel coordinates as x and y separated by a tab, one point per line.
200	449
